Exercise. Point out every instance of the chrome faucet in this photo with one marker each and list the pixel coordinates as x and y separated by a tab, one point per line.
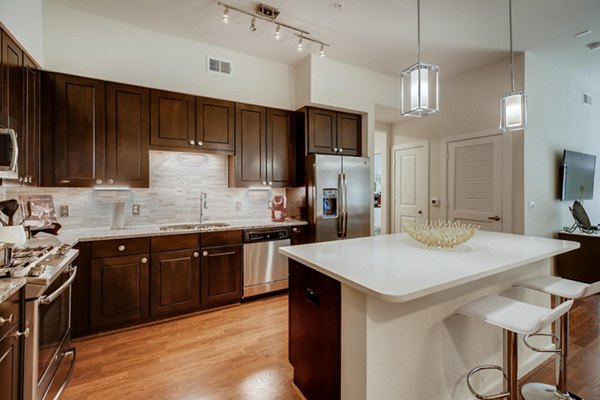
203	205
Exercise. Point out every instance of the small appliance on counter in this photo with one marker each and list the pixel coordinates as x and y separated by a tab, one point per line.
279	209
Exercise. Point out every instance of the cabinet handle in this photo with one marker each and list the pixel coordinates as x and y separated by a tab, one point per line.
30	179
5	320
196	254
264	182
110	181
98	181
121	248
270	183
494	218
200	143
335	149
340	150
296	230
192	142
22	180
19	334
144	260
205	253
313	296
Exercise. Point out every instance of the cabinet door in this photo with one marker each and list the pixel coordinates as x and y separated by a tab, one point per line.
250	155
172	119
119	289
280	148
215	124
30	150
127	134
221	277
175	281
79	131
349	134
315	332
10	350
322	131
12	84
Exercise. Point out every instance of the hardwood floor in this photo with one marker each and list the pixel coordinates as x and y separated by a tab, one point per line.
234	353
241	353
584	358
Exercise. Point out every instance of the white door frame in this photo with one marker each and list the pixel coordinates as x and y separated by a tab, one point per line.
507	171
405	146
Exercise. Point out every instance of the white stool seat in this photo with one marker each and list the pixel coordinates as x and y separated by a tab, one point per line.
557	286
513	315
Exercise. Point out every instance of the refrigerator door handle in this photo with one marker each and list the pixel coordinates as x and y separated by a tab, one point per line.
340	207
314	194
345	223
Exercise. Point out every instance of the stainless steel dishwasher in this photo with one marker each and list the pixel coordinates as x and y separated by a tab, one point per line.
265	270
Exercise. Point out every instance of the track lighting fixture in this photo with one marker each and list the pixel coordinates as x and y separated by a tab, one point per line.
226	15
269	14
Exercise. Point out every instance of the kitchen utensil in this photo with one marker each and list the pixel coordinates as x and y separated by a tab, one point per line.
6	254
9	208
13	234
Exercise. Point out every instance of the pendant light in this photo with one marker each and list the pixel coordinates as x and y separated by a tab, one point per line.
513	105
420	82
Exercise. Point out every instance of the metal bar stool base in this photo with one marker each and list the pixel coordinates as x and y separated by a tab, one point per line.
542	391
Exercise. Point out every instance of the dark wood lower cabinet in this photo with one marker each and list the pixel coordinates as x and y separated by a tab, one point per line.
581	264
119	290
315	332
10	365
222	274
175	282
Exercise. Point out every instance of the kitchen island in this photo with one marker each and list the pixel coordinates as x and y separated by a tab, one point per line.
372	318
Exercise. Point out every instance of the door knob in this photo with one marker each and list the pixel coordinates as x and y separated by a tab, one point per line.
205	253
98	181
192	142
495	218
199	143
335	149
420	212
340	150
196	254
19	334
121	248
144	260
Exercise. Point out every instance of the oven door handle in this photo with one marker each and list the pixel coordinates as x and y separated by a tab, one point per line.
50	298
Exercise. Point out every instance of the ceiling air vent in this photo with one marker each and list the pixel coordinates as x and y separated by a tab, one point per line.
587	99
219	66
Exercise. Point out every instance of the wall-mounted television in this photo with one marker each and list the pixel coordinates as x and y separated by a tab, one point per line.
578	176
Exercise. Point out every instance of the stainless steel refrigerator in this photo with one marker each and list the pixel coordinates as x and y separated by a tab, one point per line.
339	196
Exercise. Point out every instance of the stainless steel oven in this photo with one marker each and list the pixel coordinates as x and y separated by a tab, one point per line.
48	318
9	153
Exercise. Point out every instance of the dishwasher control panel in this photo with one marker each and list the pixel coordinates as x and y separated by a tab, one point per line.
265	235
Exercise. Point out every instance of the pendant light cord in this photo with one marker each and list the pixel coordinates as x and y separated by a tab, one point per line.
512	59
419	31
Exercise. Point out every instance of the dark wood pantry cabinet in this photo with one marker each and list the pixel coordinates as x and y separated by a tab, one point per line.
174	274
264	147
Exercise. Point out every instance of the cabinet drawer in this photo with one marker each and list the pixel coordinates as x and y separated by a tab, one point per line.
174	242
10	312
221	238
120	247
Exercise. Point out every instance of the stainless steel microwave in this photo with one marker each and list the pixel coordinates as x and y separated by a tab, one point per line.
9	153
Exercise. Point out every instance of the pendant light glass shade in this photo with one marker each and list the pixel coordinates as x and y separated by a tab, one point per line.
513	111
420	91
420	83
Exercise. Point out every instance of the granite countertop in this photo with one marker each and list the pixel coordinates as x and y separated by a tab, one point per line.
9	286
396	268
74	236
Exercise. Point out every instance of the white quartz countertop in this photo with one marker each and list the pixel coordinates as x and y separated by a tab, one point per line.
396	268
74	236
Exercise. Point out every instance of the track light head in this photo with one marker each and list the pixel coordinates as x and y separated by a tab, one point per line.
253	24
322	51
226	15
300	45
278	32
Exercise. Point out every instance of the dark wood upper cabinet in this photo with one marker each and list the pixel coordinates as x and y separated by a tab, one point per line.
215	124
79	131
264	147
172	119
30	142
331	132
12	85
127	134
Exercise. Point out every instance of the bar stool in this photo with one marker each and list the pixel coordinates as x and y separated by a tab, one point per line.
561	290
514	317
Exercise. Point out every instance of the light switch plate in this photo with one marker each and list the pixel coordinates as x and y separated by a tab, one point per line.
135	209
64	211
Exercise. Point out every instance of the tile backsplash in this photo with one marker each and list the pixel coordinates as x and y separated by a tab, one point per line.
176	181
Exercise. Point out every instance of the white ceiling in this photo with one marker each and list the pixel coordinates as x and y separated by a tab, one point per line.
459	35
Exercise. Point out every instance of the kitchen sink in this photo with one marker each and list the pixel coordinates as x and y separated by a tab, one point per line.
184	227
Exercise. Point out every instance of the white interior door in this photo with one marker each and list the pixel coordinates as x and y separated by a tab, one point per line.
475	182
411	183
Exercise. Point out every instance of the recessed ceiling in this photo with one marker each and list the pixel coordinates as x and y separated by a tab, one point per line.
458	35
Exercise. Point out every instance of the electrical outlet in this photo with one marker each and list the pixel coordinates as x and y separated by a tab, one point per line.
238	206
531	206
269	205
64	211
135	209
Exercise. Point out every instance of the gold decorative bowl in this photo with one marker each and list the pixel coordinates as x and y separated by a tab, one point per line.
440	234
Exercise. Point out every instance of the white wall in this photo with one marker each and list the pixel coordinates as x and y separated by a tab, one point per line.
557	121
84	44
381	145
23	18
